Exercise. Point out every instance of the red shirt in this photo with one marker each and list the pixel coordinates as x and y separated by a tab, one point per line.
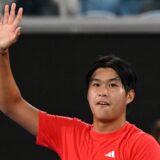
73	139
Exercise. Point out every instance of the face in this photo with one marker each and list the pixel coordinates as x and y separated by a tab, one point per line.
106	95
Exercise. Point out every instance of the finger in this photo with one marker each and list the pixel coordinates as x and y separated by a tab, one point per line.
6	14
12	13
18	17
18	32
16	35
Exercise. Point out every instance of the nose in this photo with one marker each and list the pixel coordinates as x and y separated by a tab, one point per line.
103	92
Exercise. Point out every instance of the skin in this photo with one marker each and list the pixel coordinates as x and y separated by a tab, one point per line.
11	102
108	100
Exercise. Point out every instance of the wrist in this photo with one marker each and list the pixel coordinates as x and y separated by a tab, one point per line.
3	51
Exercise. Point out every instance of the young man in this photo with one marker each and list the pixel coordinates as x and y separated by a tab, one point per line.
111	86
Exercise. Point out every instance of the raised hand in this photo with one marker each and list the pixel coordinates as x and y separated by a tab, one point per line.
9	27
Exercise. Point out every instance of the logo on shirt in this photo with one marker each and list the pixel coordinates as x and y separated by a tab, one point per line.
110	154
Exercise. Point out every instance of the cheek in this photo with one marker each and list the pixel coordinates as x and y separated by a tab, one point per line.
119	98
119	104
91	95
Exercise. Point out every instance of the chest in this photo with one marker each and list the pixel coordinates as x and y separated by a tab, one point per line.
90	149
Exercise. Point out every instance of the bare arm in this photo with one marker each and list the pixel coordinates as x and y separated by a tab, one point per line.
11	102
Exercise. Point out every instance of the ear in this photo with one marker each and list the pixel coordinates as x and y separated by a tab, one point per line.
130	96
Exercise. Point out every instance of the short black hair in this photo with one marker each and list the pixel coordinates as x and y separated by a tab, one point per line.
123	68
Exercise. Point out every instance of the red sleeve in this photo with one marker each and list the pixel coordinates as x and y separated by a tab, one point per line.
146	148
52	130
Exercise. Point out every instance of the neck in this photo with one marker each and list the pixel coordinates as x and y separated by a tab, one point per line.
108	126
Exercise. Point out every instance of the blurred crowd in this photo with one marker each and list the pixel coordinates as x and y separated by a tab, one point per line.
86	7
156	130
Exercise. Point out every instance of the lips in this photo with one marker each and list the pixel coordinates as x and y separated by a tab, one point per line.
103	103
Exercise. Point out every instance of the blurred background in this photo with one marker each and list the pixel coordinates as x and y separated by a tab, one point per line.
86	7
59	41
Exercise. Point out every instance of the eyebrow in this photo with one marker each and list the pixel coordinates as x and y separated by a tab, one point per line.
111	79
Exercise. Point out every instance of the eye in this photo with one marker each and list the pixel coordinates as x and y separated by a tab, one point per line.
95	84
113	85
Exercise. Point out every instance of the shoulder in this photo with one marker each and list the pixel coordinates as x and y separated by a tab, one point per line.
45	118
145	140
143	144
138	136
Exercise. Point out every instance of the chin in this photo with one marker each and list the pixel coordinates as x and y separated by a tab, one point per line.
104	119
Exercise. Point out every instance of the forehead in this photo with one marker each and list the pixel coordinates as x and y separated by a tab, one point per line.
104	74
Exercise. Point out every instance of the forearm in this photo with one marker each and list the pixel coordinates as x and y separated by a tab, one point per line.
11	102
9	92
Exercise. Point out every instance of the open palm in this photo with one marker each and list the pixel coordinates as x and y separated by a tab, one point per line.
9	26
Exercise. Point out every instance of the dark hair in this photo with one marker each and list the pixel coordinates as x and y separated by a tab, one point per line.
124	70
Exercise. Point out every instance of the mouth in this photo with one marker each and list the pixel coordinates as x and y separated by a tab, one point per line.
103	103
